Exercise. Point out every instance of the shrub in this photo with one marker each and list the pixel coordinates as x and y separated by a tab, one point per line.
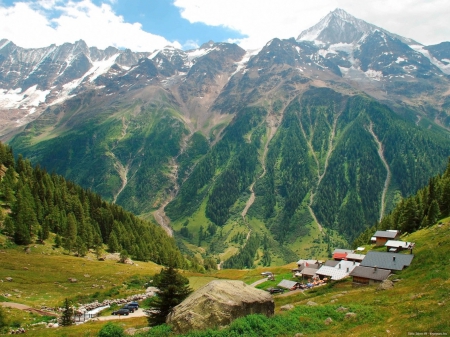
111	330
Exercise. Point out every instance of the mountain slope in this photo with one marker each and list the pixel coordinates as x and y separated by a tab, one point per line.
292	149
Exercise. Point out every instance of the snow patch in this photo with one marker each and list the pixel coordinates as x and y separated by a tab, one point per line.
374	74
242	63
15	99
101	67
445	68
399	59
5	43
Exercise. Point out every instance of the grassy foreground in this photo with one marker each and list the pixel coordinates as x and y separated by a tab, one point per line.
418	303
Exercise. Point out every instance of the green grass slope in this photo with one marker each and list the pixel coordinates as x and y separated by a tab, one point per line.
419	301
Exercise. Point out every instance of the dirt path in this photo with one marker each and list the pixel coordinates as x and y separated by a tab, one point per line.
254	284
25	308
386	165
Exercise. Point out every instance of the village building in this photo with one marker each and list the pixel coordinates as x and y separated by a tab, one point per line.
340	270
331	263
332	273
341	254
385	260
355	257
381	237
368	275
286	284
396	246
308	273
309	264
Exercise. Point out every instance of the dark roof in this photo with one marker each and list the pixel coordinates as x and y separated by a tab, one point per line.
309	265
309	271
385	260
371	273
331	263
386	234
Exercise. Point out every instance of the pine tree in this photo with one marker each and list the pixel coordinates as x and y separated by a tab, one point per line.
58	241
71	232
66	318
113	244
9	226
173	289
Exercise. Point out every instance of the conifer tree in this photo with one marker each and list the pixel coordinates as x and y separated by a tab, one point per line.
113	244
58	241
173	289
9	226
71	232
66	318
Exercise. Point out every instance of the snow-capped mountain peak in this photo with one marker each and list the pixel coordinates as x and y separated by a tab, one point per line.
337	26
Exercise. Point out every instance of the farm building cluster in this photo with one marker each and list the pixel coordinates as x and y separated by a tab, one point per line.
365	269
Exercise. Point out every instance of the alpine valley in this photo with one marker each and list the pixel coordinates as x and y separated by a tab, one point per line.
286	151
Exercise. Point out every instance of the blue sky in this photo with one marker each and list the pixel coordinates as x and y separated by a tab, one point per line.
147	25
161	17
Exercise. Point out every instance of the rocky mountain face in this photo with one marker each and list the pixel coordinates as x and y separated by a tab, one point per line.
265	155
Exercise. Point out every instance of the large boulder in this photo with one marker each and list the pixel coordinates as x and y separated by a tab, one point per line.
217	304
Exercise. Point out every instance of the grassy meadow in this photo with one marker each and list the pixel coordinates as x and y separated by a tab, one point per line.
419	301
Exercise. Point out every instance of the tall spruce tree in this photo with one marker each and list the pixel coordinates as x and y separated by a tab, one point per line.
66	318
173	289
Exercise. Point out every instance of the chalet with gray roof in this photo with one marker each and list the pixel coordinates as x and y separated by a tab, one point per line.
331	263
309	272
286	284
385	260
381	237
368	275
397	246
332	272
355	257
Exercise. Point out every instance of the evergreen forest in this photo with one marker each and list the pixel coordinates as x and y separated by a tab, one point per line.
36	204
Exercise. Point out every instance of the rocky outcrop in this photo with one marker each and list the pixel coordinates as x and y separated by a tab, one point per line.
386	285
217	304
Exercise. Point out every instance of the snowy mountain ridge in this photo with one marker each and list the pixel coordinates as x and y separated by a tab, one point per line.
340	46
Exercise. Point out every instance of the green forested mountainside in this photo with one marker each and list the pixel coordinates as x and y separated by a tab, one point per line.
421	210
324	161
303	171
37	204
121	151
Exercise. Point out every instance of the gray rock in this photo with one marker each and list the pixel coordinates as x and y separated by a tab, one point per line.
328	321
350	315
342	309
311	303
287	307
217	304
386	285
9	279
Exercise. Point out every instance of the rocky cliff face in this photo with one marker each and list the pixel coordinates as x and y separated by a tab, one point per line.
219	303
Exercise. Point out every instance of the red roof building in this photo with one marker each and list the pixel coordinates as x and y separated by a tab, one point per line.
339	256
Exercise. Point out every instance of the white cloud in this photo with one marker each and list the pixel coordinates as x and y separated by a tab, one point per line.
262	20
190	44
41	23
